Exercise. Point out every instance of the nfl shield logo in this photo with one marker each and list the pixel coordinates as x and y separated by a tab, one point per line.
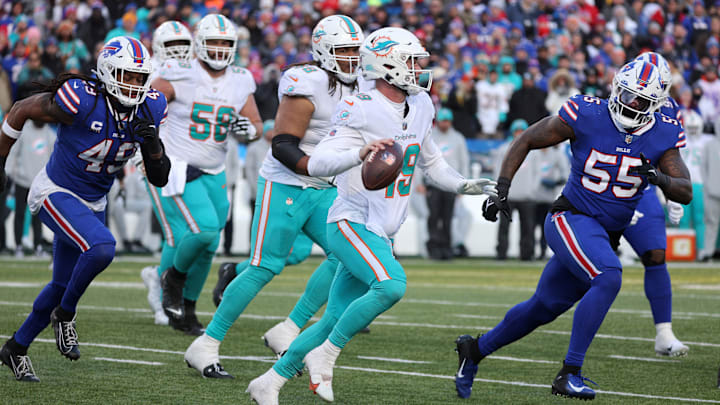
628	139
404	126
289	201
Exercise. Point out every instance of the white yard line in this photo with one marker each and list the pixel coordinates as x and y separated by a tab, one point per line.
468	316
392	360
650	359
385	323
375	370
145	363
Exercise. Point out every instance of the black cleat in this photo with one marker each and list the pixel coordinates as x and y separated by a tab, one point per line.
66	336
226	274
467	367
214	371
18	361
573	386
172	283
364	330
190	325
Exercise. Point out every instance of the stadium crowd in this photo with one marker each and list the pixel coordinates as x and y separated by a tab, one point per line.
498	65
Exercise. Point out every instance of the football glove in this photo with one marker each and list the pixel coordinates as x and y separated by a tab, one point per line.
675	212
242	129
146	130
498	203
478	186
653	175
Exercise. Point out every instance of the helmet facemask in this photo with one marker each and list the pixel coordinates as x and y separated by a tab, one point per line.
177	49
631	109
127	94
224	55
415	80
352	61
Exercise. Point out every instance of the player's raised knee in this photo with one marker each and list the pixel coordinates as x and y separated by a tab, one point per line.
653	257
390	291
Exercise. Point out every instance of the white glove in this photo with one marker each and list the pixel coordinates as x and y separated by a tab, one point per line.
675	212
478	186
636	217
242	129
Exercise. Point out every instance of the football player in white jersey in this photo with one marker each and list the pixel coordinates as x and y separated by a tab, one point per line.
208	100
361	223
171	40
288	199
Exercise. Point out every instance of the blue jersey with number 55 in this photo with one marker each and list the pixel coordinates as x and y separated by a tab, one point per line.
600	184
91	151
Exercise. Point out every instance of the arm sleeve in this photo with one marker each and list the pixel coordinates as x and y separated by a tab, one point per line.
336	153
464	159
436	168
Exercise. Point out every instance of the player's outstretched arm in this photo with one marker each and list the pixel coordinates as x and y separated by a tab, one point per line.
548	131
678	187
291	122
157	164
40	107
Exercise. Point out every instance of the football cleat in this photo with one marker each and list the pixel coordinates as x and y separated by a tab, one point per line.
151	279
202	355
573	386
279	337
172	283
671	347
262	391
190	324
19	363
320	369
467	368
66	336
226	274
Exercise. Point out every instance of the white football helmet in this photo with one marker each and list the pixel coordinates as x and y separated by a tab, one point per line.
636	94
170	32
118	56
391	54
662	65
215	26
693	123
331	33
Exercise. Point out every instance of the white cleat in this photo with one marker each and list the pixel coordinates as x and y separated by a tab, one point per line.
161	318
203	355
263	391
670	347
151	279
279	337
320	369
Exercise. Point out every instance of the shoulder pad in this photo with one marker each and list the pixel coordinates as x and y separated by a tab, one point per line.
173	69
350	112
76	95
157	105
305	80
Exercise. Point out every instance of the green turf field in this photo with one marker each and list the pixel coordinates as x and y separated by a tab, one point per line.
407	358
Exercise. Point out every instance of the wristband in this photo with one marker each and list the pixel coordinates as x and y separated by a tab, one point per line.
10	131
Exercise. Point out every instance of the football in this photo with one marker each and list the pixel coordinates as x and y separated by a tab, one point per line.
379	169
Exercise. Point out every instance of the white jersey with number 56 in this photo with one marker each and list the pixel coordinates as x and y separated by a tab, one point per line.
370	116
311	82
198	117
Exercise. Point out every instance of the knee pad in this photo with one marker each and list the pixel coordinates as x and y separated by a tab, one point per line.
653	257
101	254
609	280
390	291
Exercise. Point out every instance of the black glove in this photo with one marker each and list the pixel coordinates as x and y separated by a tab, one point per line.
145	129
493	205
653	175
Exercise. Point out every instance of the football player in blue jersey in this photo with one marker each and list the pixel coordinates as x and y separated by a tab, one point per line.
101	123
617	147
648	237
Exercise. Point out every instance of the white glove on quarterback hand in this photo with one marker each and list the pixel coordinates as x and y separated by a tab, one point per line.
478	186
636	217
675	212
242	129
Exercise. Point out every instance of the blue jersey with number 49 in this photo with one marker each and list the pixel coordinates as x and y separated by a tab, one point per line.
600	184
91	151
